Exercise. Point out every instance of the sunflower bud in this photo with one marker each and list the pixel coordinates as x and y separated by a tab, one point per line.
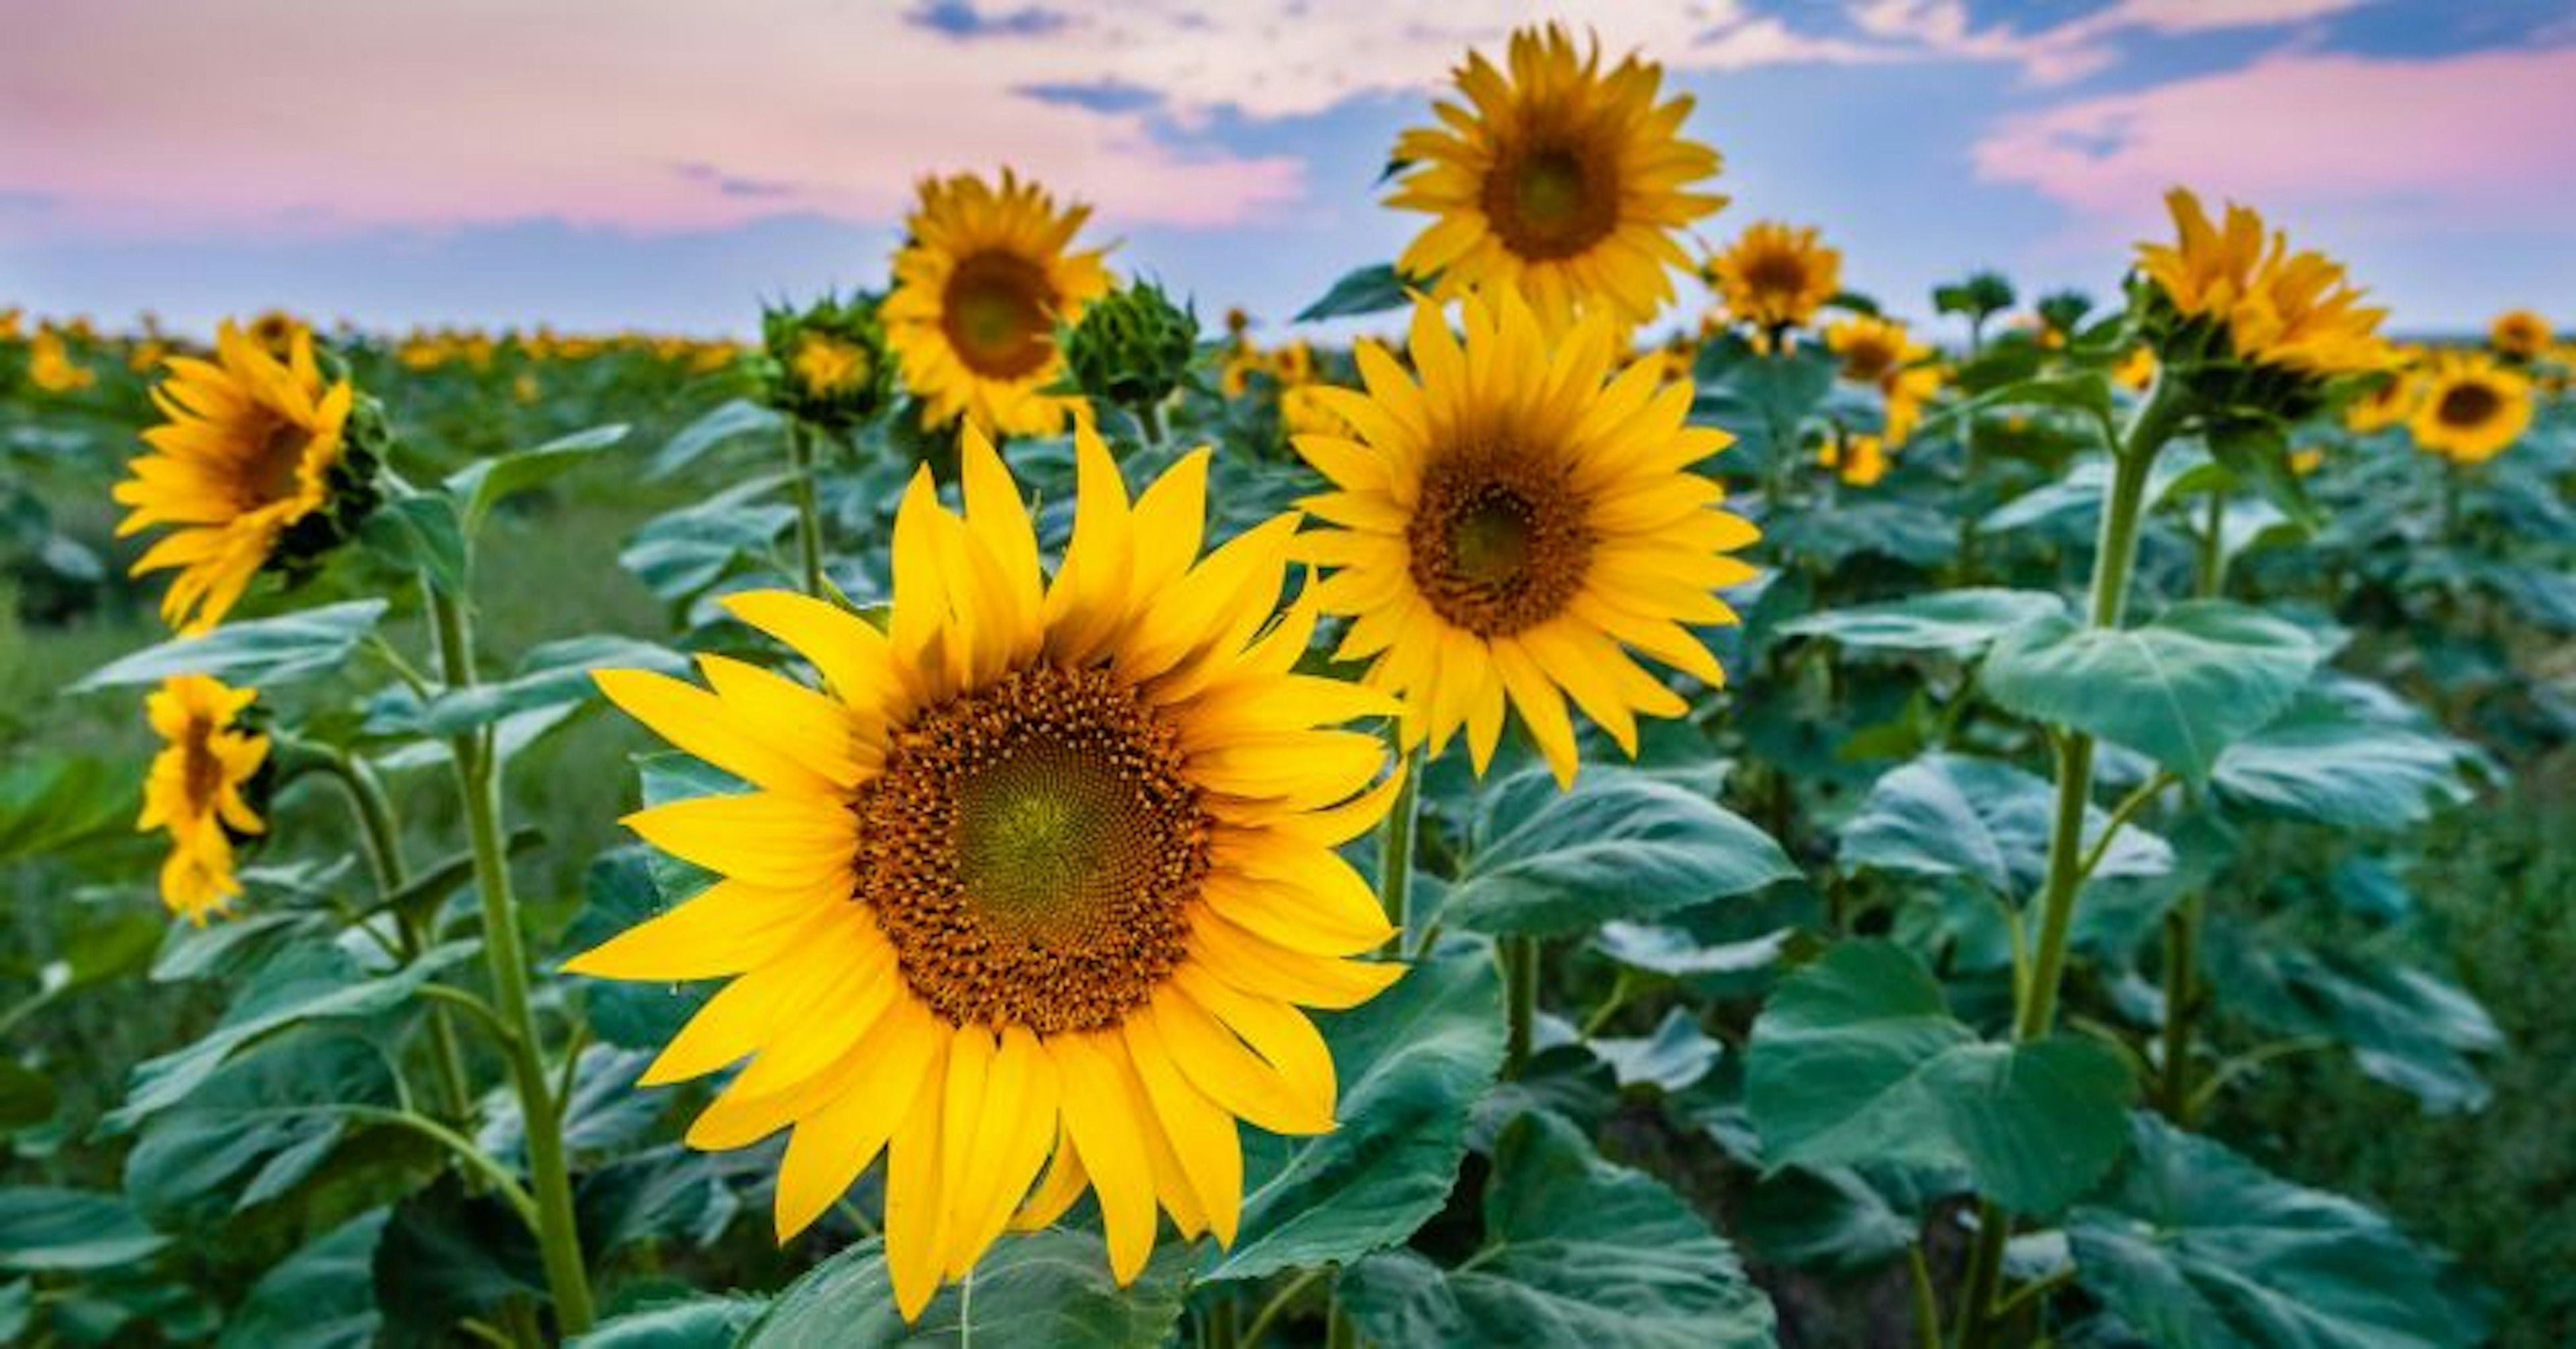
1133	347
353	483
826	365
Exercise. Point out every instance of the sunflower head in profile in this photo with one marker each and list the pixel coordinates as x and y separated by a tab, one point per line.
1036	881
983	279
2519	335
260	464
196	787
1509	528
1880	352
2245	322
1556	177
1775	276
2471	407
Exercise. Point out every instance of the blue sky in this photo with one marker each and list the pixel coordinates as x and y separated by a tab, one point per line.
665	164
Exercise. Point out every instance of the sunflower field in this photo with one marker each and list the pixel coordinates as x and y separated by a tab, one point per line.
1652	799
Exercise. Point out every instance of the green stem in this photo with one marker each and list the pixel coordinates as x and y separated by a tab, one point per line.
809	516
1278	1305
2182	996
476	1159
382	838
1395	847
1149	420
1927	1307
479	786
1520	993
2212	574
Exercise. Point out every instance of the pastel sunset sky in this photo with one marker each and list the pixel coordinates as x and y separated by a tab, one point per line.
668	163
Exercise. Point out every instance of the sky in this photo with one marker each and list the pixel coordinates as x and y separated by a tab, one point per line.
670	164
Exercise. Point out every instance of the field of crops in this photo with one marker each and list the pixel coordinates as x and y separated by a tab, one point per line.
1656	800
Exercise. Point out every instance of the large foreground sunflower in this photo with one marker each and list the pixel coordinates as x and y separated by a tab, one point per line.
2470	408
1512	526
1775	276
2291	311
248	453
979	288
1040	878
1558	178
194	790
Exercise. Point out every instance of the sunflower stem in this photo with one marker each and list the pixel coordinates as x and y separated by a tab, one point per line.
478	788
809	516
1520	995
1395	848
381	839
2182	995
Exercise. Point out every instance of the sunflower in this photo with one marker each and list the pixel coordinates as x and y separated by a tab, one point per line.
1859	460
1880	352
247	453
1040	879
1561	179
276	330
1511	526
2137	370
2471	408
980	286
50	366
2519	334
2389	402
1775	276
195	789
2294	311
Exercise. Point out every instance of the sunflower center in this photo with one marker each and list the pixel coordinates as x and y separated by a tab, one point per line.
1776	274
1032	850
1552	197
271	473
2467	405
998	314
202	774
1497	543
1868	361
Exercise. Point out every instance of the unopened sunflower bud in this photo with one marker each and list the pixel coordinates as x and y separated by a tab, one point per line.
1133	347
826	364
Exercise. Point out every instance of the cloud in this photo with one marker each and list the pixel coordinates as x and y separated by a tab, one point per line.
2078	47
959	19
732	185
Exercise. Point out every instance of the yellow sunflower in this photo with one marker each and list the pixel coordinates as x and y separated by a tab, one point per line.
2136	370
2471	408
50	366
1558	178
1859	460
2390	402
1775	276
1044	871
1880	352
195	789
2519	334
827	366
246	453
2290	310
979	288
1513	525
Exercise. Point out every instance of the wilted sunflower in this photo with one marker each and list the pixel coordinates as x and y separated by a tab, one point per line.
1775	276
1558	178
1511	526
195	789
2471	408
1880	352
2519	334
1045	871
980	286
249	452
2275	308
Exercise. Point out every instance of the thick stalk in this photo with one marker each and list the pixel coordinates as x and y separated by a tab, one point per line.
809	516
550	1178
1395	848
1149	420
1520	999
383	846
2211	577
2182	996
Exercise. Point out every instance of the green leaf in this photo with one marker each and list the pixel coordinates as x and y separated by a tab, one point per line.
1051	1288
257	1127
682	552
551	675
1915	535
1857	1059
2322	763
1955	623
729	420
51	804
618	892
421	533
59	1231
1840	1219
321	1297
1412	1063
694	1323
2191	1244
261	653
669	1193
1676	953
1621	844
481	485
27	1097
446	1255
2405	1027
1678	1054
1959	815
2179	689
1577	1251
1374	289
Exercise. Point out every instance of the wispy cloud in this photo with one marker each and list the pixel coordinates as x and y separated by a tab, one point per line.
960	19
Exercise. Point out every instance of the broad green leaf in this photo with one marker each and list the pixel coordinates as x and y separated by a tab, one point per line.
694	1323
445	1255
17	1308
1956	623
2405	1027
1858	1059
2180	689
729	420
1373	289
678	554
258	1125
669	1193
1959	815
261	653
1051	1288
1674	952
1678	1054
1621	844
321	1297
421	533
2191	1244
2322	763
1840	1219
1412	1063
1576	1251
58	1231
486	483
1915	535
551	675
52	804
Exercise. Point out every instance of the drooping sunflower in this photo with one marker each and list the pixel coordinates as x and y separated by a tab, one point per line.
194	790
1880	352
1512	526
979	288
1558	178
1776	276
248	453
2519	334
1040	878
2273	307
2472	408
